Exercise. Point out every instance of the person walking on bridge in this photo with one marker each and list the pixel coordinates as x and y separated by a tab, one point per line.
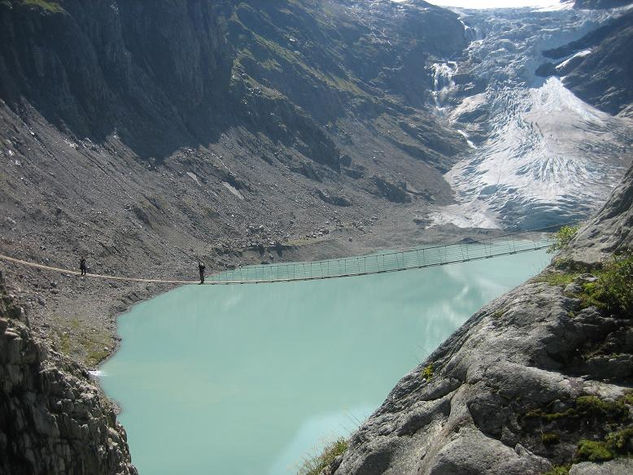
201	270
82	266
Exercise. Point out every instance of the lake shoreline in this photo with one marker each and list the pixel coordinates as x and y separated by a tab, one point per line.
268	328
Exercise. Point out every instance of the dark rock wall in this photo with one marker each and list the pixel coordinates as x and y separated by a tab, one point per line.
97	67
598	4
164	75
604	77
53	419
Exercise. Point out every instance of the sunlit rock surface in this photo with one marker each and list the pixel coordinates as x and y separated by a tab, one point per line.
520	385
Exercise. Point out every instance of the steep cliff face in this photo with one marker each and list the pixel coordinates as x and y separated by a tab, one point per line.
610	231
166	75
147	135
598	67
336	57
53	419
538	379
98	68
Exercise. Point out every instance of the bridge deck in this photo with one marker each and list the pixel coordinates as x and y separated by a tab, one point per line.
378	263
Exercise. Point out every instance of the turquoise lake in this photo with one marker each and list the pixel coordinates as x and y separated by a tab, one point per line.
252	379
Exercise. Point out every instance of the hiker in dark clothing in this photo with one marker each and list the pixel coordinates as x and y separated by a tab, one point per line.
201	270
82	266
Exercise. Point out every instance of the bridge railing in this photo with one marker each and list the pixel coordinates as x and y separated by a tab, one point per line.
389	261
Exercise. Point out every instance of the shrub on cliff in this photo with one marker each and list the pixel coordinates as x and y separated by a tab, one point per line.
614	288
563	237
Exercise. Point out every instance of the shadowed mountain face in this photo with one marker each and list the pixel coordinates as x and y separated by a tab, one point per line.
163	75
598	67
601	3
233	105
157	76
147	135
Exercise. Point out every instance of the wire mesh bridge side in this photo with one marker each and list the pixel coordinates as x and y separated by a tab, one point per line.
377	263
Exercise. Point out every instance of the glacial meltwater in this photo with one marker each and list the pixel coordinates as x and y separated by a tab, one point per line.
252	379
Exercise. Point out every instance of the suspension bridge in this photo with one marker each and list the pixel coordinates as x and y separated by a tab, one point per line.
378	263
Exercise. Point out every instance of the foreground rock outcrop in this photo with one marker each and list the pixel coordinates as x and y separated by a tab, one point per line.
53	419
538	380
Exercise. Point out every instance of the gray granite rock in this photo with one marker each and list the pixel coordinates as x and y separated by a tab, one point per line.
53	418
613	467
508	387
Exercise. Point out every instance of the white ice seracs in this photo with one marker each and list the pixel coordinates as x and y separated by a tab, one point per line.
543	156
551	156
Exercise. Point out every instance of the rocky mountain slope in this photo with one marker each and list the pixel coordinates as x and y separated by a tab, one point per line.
601	3
147	137
53	419
597	67
537	380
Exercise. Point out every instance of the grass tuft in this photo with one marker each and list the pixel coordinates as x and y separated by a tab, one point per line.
594	451
550	438
314	465
555	278
613	290
427	372
559	470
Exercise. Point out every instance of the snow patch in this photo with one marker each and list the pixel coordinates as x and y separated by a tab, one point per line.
580	54
233	190
467	215
468	141
194	177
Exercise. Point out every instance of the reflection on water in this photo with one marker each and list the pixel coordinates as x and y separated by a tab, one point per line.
315	433
252	379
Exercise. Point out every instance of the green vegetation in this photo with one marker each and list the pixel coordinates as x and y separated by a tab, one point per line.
89	346
550	416
601	408
314	465
499	313
594	451
586	407
559	470
557	278
52	7
591	418
65	346
613	291
621	441
427	372
615	444
563	237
